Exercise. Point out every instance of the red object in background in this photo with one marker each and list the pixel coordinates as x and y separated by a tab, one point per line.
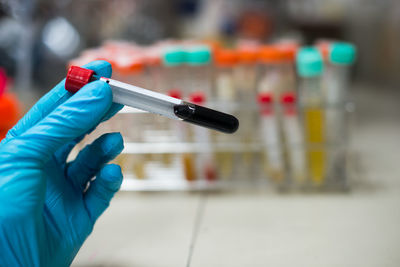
10	112
175	93
265	101
210	173
288	100
197	98
9	107
265	98
254	24
3	81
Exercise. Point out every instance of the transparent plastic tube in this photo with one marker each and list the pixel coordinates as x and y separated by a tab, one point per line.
314	122
336	85
143	99
154	102
270	137
294	138
206	168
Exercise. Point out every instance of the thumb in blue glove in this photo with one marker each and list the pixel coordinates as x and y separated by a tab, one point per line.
45	212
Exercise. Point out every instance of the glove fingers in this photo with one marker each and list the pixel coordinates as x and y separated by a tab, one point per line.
62	154
113	110
102	189
92	158
76	116
53	99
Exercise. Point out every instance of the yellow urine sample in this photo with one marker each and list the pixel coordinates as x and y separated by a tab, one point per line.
225	164
167	159
189	168
138	166
315	138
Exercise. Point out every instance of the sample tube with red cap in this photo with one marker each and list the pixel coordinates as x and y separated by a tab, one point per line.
270	136
154	102
205	161
294	137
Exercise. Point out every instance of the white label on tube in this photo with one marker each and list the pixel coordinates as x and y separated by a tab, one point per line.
295	142
269	130
143	99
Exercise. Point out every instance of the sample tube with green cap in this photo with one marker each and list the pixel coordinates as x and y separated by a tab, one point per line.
173	59
336	81
310	69
198	59
341	56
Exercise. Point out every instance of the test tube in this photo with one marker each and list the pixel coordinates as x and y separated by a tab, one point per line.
154	68
270	137
130	68
180	131
294	138
336	81
206	168
310	68
198	59
225	61
269	73
246	72
173	60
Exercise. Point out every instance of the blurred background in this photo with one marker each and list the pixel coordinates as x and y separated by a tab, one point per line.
312	176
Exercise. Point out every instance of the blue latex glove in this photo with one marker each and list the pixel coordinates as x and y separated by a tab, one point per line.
45	215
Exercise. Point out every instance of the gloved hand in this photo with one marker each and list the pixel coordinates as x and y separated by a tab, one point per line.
45	212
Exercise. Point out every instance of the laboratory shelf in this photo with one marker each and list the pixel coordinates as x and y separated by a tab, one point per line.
347	107
179	148
130	183
173	148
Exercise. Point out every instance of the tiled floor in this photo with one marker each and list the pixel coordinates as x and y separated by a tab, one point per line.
361	228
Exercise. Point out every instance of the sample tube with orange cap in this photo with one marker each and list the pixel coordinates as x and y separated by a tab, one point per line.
275	64
225	94
246	72
225	61
270	137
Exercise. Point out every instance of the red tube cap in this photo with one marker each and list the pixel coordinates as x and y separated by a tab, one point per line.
288	98
198	98
265	98
175	93
77	77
